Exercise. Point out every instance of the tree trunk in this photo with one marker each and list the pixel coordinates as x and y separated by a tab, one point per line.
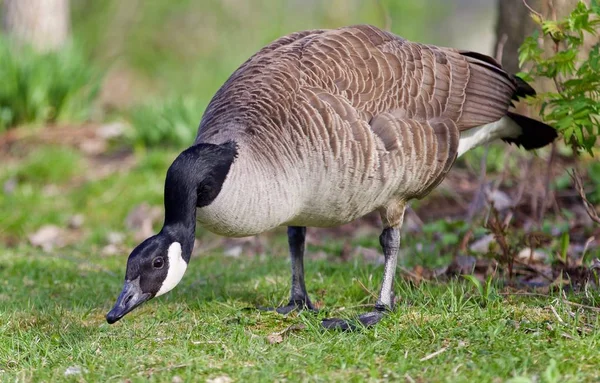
514	24
42	23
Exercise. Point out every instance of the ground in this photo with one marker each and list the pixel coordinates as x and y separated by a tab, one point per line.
71	214
53	320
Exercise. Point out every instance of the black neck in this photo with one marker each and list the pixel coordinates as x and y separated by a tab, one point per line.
194	180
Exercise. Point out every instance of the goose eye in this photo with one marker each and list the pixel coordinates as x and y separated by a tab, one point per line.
158	263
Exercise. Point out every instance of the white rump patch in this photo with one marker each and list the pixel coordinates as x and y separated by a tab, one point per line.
504	127
177	267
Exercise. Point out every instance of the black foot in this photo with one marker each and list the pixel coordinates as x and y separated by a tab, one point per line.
294	305
366	320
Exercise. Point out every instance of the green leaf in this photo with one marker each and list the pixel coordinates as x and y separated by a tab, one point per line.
475	282
564	246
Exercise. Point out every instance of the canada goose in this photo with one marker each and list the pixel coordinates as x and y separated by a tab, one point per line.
317	129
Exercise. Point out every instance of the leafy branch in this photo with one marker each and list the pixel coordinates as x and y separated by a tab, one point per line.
574	109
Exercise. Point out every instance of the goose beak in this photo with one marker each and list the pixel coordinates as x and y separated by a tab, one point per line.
130	298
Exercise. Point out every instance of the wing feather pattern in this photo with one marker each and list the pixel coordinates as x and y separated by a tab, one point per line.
358	106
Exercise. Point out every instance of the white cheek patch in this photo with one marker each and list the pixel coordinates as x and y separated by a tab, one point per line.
177	267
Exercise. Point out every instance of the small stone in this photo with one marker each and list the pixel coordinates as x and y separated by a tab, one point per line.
529	256
220	379
93	146
115	238
76	221
112	130
177	379
110	249
74	370
482	245
500	199
234	252
47	237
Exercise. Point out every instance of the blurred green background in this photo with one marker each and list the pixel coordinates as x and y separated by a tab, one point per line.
167	48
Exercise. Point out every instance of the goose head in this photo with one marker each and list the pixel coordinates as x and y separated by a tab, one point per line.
158	264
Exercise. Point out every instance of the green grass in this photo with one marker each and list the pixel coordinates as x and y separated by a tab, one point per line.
45	87
48	165
53	184
168	123
52	304
53	307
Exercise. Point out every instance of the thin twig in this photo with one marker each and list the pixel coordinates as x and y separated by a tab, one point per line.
523	183
533	269
478	199
556	314
586	246
500	47
508	154
589	208
532	10
366	289
434	354
547	183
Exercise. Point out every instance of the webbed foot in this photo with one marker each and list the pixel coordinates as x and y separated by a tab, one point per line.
366	320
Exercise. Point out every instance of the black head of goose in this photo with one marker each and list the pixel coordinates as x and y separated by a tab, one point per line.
320	128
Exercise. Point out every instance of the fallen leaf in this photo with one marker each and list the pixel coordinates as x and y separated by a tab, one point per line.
277	337
47	237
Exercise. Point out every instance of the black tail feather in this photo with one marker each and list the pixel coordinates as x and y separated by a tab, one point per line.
535	134
523	88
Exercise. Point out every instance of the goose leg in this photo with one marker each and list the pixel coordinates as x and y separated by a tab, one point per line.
390	243
298	296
